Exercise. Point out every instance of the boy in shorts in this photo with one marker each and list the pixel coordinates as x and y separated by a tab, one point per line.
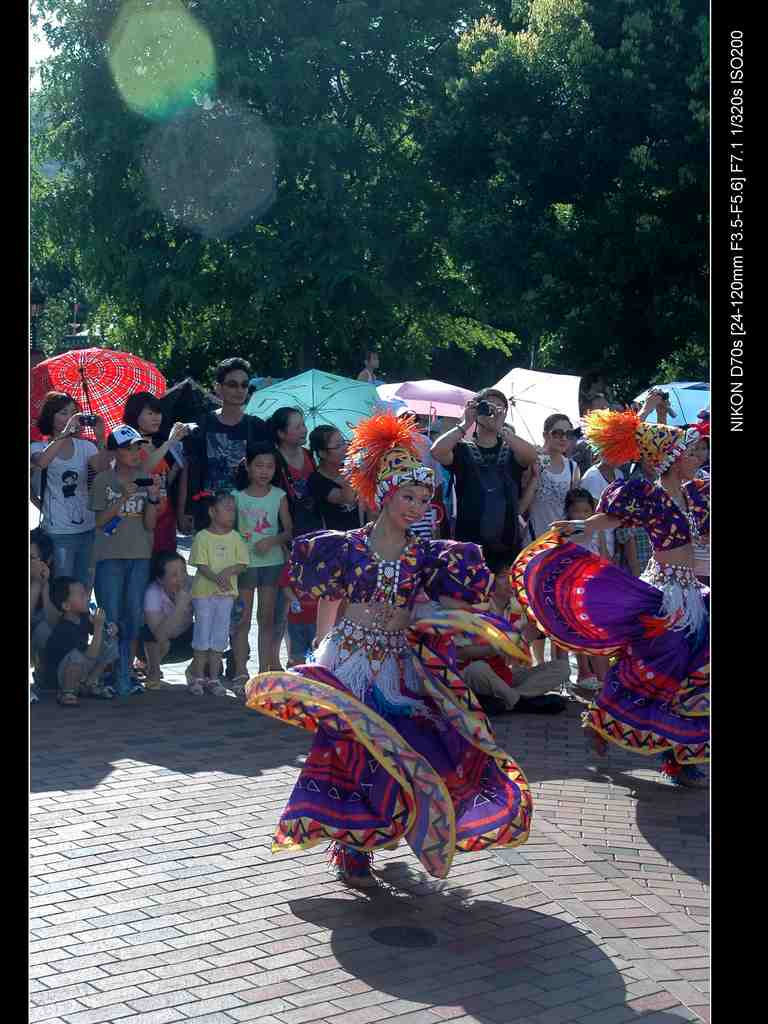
75	663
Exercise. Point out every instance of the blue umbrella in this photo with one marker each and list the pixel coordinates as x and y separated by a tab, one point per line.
323	398
686	398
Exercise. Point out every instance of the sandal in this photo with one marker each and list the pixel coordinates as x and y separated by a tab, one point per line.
195	686
238	684
101	691
215	687
68	699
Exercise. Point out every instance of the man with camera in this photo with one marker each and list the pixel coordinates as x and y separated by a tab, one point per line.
487	471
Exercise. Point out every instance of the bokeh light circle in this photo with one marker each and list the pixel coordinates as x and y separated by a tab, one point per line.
212	169
161	58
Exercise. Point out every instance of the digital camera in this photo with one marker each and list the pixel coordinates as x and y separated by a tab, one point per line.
86	420
485	408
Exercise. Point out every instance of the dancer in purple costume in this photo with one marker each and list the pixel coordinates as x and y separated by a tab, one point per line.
402	748
655	699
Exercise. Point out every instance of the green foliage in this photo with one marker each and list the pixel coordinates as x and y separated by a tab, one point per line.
573	154
452	179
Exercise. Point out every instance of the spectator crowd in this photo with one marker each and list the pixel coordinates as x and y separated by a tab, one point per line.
112	598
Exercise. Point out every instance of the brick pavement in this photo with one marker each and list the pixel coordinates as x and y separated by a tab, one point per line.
155	899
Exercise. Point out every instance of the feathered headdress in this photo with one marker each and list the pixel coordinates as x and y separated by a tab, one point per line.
620	437
382	456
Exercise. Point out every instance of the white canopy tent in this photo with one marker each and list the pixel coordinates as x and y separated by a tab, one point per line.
537	395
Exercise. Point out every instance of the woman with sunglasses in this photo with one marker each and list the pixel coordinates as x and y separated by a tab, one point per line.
550	477
335	499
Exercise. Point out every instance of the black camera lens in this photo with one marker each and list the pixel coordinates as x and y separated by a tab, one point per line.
484	408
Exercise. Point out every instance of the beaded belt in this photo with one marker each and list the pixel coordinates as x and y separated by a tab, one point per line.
378	644
682	601
661	575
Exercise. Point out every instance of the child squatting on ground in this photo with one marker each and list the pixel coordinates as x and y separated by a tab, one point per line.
220	555
75	666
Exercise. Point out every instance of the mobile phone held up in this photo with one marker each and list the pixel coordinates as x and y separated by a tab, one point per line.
143	481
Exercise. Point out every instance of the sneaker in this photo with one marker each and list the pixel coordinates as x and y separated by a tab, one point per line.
152	684
590	683
195	687
134	688
33	696
215	688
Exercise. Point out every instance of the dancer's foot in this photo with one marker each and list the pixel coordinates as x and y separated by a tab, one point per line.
686	775
352	867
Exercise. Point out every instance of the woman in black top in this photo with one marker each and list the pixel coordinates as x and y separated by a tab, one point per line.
335	500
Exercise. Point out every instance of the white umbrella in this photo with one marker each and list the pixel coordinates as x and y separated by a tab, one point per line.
534	396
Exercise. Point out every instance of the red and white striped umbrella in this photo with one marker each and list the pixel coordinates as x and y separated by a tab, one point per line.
100	380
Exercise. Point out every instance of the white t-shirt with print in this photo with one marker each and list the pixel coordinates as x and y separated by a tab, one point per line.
65	502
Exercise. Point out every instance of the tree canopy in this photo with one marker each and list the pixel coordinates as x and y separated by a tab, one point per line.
291	181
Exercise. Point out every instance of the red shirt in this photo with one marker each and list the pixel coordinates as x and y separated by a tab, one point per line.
165	529
308	613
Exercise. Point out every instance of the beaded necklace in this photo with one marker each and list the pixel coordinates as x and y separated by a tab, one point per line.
387	580
387	585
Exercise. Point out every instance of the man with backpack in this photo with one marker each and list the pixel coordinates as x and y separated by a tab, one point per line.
487	471
215	448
